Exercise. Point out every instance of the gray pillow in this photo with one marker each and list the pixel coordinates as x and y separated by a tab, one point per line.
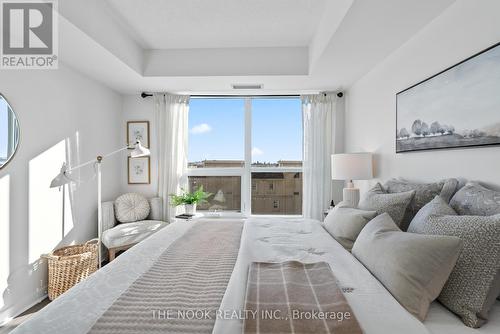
131	207
435	207
474	283
413	267
344	224
475	200
424	193
377	199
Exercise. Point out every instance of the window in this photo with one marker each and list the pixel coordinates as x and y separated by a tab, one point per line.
216	133
247	152
276	132
283	186
4	130
226	192
277	156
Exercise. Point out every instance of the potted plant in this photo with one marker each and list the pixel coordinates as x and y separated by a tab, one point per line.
189	200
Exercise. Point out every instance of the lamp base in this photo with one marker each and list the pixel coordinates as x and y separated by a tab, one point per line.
351	197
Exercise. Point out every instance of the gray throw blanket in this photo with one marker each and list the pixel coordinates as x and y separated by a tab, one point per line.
293	297
182	291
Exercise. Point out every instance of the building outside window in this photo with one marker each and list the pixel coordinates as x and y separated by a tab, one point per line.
247	152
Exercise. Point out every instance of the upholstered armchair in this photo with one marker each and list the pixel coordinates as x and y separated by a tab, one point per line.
128	220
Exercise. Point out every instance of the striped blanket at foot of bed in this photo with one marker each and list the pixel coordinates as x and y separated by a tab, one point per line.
293	297
182	291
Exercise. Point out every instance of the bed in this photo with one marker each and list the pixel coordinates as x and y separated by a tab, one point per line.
262	240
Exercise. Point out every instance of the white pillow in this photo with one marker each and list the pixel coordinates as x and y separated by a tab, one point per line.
345	224
131	207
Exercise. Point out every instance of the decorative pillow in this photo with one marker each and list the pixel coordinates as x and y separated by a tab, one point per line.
474	283
413	267
343	204
424	193
450	187
475	200
379	200
344	224
131	207
435	207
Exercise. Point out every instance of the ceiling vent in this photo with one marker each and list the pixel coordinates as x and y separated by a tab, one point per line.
247	86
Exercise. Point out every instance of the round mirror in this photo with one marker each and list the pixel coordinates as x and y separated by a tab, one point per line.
9	132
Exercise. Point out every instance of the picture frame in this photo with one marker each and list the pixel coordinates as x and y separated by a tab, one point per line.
139	170
455	108
138	130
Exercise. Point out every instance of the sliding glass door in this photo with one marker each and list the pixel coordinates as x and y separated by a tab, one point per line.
248	153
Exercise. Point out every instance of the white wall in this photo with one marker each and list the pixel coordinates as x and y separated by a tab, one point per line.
464	29
62	115
135	108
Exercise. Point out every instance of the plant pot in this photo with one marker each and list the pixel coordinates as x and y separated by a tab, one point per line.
190	209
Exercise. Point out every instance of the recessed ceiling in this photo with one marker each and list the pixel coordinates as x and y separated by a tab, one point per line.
205	46
186	24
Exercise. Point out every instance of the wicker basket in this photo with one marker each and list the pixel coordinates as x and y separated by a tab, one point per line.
70	265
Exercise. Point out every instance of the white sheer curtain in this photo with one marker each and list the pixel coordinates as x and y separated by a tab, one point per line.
319	117
172	131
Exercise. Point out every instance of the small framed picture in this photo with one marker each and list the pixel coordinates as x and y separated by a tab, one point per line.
139	170
138	130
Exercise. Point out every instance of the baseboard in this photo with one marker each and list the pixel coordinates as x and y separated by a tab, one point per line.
19	310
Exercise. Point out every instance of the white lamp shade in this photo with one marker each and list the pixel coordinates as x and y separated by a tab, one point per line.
352	166
61	179
139	151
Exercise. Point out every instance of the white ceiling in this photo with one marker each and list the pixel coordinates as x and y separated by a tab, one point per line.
186	24
205	46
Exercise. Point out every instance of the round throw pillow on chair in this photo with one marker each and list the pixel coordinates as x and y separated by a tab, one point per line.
131	207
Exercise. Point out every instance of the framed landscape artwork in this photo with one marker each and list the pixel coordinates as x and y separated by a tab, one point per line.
138	130
458	107
139	170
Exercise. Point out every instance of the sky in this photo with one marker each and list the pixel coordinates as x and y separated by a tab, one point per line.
466	96
216	129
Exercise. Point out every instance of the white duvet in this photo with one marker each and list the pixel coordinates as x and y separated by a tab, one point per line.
263	239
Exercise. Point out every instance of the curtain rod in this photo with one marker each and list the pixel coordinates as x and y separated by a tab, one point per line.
144	95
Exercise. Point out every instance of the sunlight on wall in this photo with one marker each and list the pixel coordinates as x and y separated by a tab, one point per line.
45	203
4	234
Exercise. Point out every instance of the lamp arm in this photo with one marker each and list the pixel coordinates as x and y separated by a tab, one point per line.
118	150
98	158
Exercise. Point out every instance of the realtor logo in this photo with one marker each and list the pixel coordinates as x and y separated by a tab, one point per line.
29	34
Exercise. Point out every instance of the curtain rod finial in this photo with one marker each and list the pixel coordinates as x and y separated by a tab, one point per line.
339	94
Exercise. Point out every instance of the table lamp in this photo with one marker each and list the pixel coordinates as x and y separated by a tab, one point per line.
352	166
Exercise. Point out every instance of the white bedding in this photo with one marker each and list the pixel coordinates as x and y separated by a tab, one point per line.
440	320
263	239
